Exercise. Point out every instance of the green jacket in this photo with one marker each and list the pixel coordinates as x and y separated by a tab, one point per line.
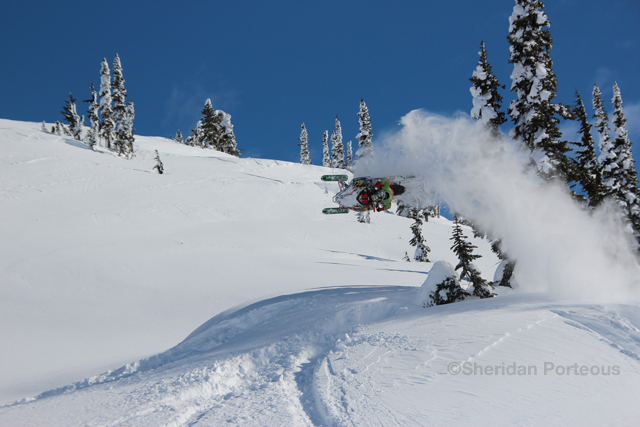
384	185
381	186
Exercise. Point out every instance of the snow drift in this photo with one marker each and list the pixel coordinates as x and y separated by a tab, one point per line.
558	246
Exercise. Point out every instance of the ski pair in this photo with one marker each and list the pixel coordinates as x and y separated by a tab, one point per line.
333	178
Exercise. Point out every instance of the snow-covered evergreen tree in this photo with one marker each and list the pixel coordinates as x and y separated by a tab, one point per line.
448	291
605	146
350	164
588	173
214	130
76	131
444	286
365	135
119	94
128	130
326	157
337	147
107	124
508	265
43	128
462	248
535	84
159	166
421	253
305	157
464	251
196	137
211	131
178	137
227	142
622	178
94	119
487	100
70	113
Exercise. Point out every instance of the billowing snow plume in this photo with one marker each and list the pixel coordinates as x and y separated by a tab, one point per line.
558	246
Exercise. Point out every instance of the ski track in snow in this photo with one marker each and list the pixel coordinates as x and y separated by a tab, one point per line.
238	362
326	357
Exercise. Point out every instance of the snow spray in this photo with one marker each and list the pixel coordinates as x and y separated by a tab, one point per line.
559	247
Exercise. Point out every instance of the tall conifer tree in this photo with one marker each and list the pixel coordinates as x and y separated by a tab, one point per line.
535	84
70	113
365	135
350	162
128	130
210	127
623	178
487	100
606	157
107	125
326	157
588	171
337	147
119	94
305	157
94	119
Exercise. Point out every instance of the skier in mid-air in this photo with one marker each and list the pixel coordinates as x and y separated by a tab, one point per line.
378	196
363	194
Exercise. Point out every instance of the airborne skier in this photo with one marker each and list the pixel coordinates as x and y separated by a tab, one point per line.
363	194
378	196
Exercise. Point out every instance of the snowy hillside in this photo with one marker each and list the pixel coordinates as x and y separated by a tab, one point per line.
105	265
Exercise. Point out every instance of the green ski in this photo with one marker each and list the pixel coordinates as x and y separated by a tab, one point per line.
330	211
334	178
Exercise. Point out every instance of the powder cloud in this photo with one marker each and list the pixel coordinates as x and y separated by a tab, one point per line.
559	247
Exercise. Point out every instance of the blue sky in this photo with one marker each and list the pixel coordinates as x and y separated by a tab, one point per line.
275	64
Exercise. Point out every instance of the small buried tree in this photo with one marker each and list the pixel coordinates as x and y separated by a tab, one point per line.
159	166
441	287
464	251
422	250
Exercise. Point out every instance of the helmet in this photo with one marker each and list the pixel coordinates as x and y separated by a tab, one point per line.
379	196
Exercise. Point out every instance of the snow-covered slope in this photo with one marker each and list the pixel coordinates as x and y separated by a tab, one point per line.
105	264
105	261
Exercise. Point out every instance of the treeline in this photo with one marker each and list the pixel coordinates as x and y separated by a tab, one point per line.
111	120
110	117
336	156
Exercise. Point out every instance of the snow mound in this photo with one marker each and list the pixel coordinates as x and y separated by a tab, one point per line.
365	355
440	271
